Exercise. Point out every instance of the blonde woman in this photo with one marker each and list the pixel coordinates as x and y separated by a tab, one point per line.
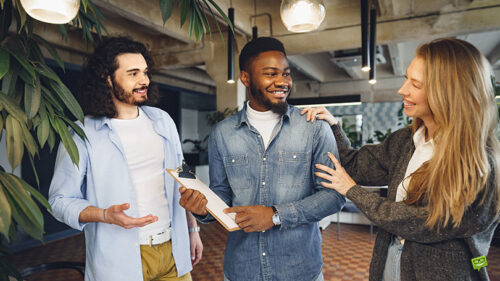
443	198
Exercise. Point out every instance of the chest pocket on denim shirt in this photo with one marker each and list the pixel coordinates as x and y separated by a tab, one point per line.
237	171
293	168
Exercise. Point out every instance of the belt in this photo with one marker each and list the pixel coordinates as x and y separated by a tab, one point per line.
157	239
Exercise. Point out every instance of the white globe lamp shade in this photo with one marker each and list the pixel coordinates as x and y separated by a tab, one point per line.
53	11
302	15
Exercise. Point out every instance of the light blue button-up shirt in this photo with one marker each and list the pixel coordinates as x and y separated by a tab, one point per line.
102	179
243	172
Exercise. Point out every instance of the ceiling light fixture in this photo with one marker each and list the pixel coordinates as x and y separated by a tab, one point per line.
54	11
373	45
365	62
302	15
230	48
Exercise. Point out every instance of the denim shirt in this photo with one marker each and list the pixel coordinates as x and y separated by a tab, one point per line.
102	179
243	172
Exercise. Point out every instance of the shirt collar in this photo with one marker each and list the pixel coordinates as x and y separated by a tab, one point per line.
151	114
419	138
243	117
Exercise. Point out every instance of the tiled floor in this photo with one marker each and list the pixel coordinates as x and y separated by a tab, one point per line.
347	259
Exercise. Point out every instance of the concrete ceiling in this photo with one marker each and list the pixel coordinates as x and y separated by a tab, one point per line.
401	26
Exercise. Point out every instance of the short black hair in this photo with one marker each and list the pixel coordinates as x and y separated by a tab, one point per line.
95	93
257	46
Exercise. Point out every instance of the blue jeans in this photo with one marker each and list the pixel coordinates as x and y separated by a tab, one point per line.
392	263
319	278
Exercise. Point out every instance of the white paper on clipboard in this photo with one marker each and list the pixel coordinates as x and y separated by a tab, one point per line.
215	205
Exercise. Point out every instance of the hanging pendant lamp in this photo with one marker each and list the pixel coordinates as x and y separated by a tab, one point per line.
53	11
302	15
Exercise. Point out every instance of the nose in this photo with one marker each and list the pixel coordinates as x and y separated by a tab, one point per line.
144	79
403	91
282	81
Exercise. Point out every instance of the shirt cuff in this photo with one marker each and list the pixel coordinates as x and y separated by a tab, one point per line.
288	215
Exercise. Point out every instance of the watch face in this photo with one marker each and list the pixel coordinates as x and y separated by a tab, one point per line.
276	219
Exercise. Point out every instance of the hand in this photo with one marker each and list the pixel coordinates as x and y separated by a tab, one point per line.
252	218
339	179
196	247
193	201
319	113
115	215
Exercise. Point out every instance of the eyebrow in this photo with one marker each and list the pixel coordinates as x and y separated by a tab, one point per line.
275	68
136	69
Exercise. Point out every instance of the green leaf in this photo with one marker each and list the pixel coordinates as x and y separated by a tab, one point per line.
68	99
166	7
47	72
78	130
52	139
43	131
9	82
32	98
22	15
5	214
35	173
25	64
63	31
4	62
66	138
14	137
52	101
5	19
223	15
37	195
84	3
29	141
184	11
22	219
15	188
12	108
49	48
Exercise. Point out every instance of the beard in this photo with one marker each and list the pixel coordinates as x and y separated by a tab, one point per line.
127	97
279	108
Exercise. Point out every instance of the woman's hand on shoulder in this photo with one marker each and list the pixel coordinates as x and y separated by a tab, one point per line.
313	113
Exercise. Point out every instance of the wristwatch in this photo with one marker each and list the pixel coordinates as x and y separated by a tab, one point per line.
276	216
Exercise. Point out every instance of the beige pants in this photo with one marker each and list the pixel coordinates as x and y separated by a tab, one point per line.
158	263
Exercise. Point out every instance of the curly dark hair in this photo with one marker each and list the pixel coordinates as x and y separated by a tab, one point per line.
95	95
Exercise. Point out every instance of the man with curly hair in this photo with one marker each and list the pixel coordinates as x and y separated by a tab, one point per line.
119	194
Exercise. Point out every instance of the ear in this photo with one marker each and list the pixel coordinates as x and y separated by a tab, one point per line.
109	81
245	78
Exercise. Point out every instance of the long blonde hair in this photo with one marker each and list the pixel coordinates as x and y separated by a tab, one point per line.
457	81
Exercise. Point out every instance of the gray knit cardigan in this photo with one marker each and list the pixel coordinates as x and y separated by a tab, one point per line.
427	255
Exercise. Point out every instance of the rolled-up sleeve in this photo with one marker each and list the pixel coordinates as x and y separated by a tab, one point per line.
68	187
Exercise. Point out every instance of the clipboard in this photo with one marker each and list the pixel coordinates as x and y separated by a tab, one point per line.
215	204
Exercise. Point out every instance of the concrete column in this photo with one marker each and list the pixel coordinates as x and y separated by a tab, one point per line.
228	95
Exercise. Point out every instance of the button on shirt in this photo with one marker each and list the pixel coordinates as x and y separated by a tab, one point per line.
102	179
244	172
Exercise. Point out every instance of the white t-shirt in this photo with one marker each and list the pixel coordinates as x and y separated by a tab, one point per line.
264	122
144	152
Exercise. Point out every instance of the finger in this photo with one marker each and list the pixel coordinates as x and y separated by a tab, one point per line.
140	222
182	190
325	168
237	209
334	161
241	218
193	253
321	116
199	254
323	176
121	207
304	110
202	204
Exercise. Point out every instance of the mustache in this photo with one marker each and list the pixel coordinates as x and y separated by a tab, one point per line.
141	88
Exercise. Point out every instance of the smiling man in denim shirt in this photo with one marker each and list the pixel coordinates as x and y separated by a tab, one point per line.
261	164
